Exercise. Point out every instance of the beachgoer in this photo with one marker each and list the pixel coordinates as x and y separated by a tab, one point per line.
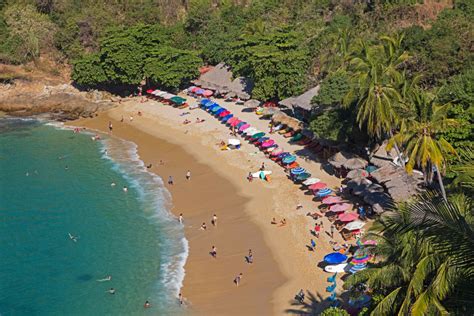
203	226
170	180
300	296
121	120
66	168
299	206
149	166
107	278
214	220
283	222
332	230
321	224
111	290
250	177
238	279
214	252
131	118
262	167
180	218
250	257
139	113
112	184
125	189
147	304
313	243
180	299
274	221
161	163
188	175
317	229
110	126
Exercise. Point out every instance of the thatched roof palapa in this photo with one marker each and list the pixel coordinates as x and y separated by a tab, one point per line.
381	157
291	122
302	101
252	103
355	163
400	185
339	158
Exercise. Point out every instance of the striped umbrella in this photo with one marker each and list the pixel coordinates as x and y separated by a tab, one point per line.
340	207
324	192
303	176
297	171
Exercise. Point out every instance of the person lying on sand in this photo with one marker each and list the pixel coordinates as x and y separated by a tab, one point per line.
274	221
203	226
198	120
282	222
186	121
184	113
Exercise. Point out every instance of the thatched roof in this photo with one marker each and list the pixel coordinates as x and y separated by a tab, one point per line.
252	103
220	78
291	122
302	101
381	157
355	163
339	158
399	184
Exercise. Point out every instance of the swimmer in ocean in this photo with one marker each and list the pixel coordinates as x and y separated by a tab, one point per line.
112	184
73	238
107	278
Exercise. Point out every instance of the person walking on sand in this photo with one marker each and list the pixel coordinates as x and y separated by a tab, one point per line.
121	120
214	252
238	279
180	218
110	127
332	230
180	299
250	257
188	175
203	226
317	229
214	220
170	180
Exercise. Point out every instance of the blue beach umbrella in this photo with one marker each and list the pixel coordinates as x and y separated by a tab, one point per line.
303	176
215	106
205	101
215	109
324	192
209	105
261	140
227	117
335	258
283	155
289	159
219	111
371	169
298	170
240	125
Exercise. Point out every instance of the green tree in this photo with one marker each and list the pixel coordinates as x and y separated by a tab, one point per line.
31	30
88	71
334	311
333	89
421	136
171	67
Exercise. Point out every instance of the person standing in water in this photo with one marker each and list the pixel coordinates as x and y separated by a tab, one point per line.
180	218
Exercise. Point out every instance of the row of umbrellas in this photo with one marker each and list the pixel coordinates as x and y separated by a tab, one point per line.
167	96
198	91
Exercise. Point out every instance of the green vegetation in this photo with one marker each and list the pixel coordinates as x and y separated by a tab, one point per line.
400	71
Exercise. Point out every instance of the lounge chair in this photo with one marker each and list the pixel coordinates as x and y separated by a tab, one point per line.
332	278
331	288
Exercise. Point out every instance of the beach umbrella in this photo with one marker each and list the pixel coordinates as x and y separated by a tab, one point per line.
227	117
371	169
199	91
207	93
160	94
235	123
276	152
355	163
354	225
374	188
261	140
205	101
283	155
311	181
340	207
293	165
360	258
297	171
167	96
250	131
358	182
224	113
347	217
216	108
244	127
289	159
335	258
191	87
324	192
357	173
318	186
377	198
210	105
370	242
232	119
213	108
258	135
268	143
303	176
219	111
240	125
357	267
195	89
332	200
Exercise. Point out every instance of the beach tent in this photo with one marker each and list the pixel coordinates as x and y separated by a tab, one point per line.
332	200
340	207
311	181
354	225
335	258
347	217
289	159
244	127
324	192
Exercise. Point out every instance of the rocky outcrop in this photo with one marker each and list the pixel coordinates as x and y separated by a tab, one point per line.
62	102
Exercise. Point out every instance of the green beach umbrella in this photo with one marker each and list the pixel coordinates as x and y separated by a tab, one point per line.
258	135
178	100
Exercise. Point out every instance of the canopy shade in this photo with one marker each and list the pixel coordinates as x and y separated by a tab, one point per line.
318	186
347	217
289	159
232	120
332	200
340	207
335	258
354	225
235	123
338	159
311	181
227	117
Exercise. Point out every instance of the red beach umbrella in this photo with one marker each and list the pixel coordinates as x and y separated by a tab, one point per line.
348	217
318	186
232	119
225	113
235	123
149	91
207	93
340	207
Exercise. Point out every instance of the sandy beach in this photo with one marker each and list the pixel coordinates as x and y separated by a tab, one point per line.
282	263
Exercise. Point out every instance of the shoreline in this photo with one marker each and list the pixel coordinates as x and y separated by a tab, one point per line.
294	266
262	276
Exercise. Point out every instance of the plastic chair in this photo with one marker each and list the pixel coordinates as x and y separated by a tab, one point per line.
332	298
332	278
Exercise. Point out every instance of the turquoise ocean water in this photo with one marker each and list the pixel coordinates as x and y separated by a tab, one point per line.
130	236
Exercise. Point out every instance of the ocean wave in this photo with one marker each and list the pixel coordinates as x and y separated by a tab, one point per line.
156	201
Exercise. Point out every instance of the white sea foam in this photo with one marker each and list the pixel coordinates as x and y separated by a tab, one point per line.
156	201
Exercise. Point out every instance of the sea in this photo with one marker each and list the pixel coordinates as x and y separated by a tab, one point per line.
66	224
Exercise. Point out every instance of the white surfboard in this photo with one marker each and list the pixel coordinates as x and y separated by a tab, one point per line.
337	268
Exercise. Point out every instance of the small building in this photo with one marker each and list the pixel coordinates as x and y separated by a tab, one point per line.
220	79
301	105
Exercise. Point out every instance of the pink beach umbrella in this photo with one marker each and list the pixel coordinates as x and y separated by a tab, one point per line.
244	127
318	186
340	207
235	123
194	89
370	242
332	200
268	143
207	93
348	217
277	151
232	119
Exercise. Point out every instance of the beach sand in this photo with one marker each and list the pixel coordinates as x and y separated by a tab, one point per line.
282	263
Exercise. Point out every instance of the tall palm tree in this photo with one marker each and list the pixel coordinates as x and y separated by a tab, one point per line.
427	262
420	135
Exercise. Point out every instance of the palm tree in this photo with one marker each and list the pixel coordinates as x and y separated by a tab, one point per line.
420	135
427	261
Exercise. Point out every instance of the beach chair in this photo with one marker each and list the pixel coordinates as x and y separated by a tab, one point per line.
332	278
331	288
332	298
